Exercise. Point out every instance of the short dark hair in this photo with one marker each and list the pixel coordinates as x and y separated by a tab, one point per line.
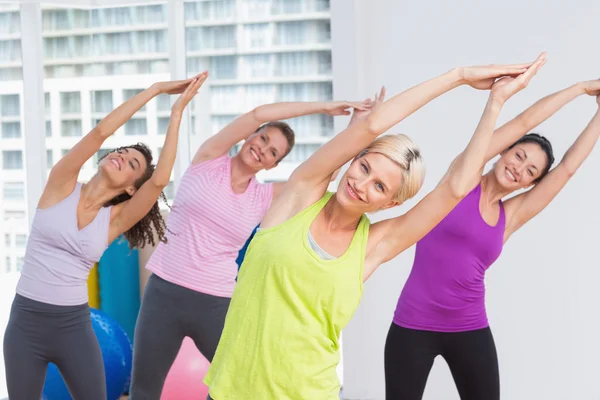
286	131
544	144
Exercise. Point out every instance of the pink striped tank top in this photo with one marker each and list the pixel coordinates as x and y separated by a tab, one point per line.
207	227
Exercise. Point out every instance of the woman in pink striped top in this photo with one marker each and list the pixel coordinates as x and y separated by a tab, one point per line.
218	204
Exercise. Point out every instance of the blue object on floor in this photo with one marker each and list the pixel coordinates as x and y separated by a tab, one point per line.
117	353
119	281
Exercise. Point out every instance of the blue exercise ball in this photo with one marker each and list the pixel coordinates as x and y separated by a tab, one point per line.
117	355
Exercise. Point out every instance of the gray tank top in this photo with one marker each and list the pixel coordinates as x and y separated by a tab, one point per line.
59	256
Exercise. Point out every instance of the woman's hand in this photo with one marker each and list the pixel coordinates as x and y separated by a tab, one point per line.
591	87
483	77
506	87
188	94
335	108
372	103
176	87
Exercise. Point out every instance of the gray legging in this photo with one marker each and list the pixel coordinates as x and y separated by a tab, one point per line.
39	333
168	314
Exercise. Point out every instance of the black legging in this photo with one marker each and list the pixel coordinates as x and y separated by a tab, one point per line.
471	356
39	333
168	314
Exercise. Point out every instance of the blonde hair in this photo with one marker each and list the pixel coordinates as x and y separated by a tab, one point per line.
406	154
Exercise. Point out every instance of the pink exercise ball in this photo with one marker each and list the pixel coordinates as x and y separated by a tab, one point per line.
184	380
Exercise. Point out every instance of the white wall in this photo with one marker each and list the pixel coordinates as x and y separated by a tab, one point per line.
542	296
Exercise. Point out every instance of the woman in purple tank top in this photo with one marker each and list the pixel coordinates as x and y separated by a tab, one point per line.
74	223
441	310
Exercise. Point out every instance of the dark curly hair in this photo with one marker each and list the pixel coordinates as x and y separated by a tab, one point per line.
544	144
142	233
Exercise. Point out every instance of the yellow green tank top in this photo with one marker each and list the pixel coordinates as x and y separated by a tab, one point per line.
281	334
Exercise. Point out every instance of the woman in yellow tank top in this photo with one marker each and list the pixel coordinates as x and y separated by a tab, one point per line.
302	277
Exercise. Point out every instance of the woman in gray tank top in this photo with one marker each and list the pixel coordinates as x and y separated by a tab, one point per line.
74	223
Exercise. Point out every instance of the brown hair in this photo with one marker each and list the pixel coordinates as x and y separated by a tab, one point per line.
285	130
142	233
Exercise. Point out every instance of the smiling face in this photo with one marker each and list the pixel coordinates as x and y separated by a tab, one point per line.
371	183
520	166
123	168
264	148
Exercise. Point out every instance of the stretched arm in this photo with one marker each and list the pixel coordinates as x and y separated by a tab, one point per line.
347	144
63	175
357	114
397	234
245	125
525	206
67	168
539	112
145	197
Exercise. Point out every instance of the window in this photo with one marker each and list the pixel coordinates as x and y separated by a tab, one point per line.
209	10
47	107
135	127
292	32
256	35
129	93
163	102
70	102
11	130
102	101
9	104
7	264
210	37
223	67
14	215
71	128
163	125
48	128
7	241
49	161
258	66
20	262
12	159
20	241
13	191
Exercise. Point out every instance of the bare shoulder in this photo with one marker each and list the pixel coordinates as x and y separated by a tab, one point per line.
54	194
291	201
380	238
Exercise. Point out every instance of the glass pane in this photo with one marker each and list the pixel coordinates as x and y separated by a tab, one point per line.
13	191
12	160
259	52
11	130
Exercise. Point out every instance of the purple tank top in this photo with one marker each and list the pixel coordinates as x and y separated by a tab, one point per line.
445	291
59	256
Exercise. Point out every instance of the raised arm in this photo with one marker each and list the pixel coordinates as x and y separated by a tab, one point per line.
63	175
245	125
525	206
347	144
145	197
539	112
357	114
397	234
